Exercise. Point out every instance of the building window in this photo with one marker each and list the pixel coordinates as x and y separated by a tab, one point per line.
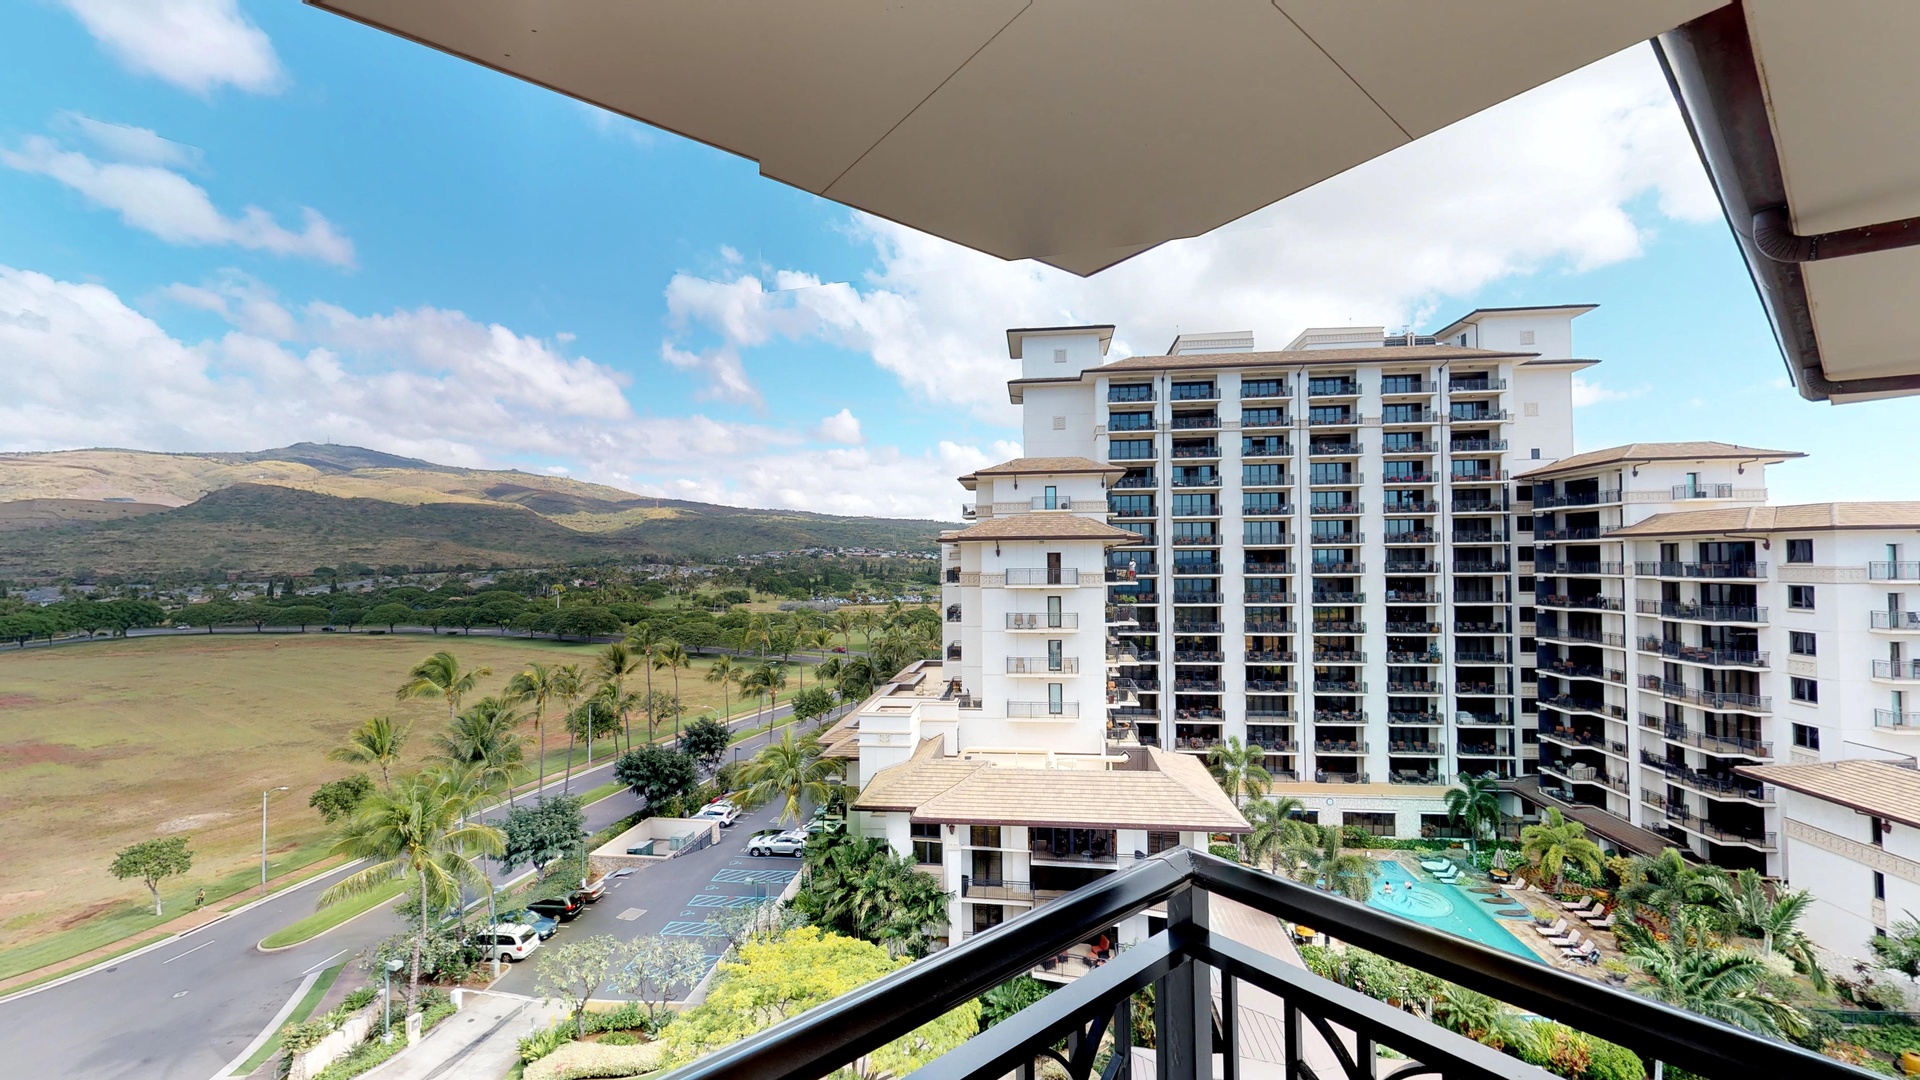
987	836
1807	736
1800	551
1158	842
926	844
1879	885
1378	824
1262	475
1800	597
1800	643
1804	690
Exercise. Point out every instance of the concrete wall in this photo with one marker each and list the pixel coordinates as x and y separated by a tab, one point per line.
1829	852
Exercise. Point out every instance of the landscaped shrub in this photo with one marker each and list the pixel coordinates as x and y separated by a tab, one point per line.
1611	1061
544	1042
1354	836
630	1016
1224	851
587	1061
1010	997
1558	1049
372	1052
359	999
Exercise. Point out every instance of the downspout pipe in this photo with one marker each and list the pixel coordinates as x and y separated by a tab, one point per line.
1773	234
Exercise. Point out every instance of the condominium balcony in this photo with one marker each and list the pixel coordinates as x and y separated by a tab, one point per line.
1337	539
1132	511
1702	491
1251	506
1255	537
1207	597
1043	665
1574	737
1200	451
1413	656
1336	776
1340	746
1481	476
1580	569
1129	482
1257	625
1402	718
1347	717
1419	449
1338	656
996	889
1478	750
1421	478
1338	596
1908	621
1551	632
1580	532
1481	566
1043	710
1476	385
1196	508
1710	656
1581	498
1478	626
1268	568
1203	480
1130	393
1194	422
1893	571
1335	509
1754	571
1477	446
1413	596
1122	652
1268	596
1339	626
1338	568
1581	603
1333	388
1896	720
1410	538
1483	719
1270	656
1393	415
1343	478
1480	688
1593	707
1271	686
1897	670
1205	540
1185	567
1480	536
1267	446
1472	415
1720	786
1132	571
1197	626
1706	742
1567	669
1050	577
1692	612
1415	687
1184	655
1193	392
1260	419
1041	621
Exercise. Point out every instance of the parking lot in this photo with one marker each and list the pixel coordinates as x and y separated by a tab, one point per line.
674	898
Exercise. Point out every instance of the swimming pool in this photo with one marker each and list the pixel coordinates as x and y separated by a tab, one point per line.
1443	907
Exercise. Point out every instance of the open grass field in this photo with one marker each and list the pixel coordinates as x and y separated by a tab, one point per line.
107	744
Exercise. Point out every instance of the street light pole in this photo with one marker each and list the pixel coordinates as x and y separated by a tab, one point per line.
263	837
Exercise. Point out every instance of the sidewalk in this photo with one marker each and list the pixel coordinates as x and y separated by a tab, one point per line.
480	1042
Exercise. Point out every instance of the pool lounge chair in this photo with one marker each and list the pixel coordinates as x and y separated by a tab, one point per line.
1582	907
1599	912
1571	940
1585	954
1601	924
1558	928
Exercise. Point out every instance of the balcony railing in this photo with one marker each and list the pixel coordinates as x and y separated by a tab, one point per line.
1560	633
1893	571
1581	603
1269	568
1211	480
1476	386
1477	446
1043	665
1706	699
1896	669
1045	575
1700	654
1193	423
1065	620
1895	620
1579	498
1703	491
1896	720
1129	393
1582	532
1738	613
1581	569
1043	710
1706	741
1701	569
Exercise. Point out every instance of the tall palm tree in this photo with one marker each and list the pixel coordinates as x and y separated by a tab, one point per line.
1475	804
766	681
672	657
1687	968
614	664
757	632
375	742
567	686
441	676
1344	873
725	673
1279	833
536	684
1555	842
418	833
789	770
829	671
844	621
1239	769
486	736
1665	884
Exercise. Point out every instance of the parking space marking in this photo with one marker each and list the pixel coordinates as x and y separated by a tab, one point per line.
678	928
631	913
738	877
713	900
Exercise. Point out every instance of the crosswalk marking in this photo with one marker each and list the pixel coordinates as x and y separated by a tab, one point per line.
712	900
726	876
679	928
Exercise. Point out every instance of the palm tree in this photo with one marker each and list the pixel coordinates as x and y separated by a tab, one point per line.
375	742
1773	919
1687	968
1239	769
1555	842
567	686
1484	1019
616	662
1666	884
1278	832
1475	804
725	673
671	656
829	672
791	771
1344	873
440	676
486	736
757	632
418	833
844	621
764	681
536	684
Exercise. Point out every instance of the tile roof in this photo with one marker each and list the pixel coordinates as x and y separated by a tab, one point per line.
1805	517
1660	451
1172	793
1031	466
1880	788
1365	354
842	740
1042	526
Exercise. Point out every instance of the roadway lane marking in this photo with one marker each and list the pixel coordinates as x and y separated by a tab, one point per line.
321	964
267	1032
189	952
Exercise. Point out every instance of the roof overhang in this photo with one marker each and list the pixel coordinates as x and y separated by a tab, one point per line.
1808	122
1068	131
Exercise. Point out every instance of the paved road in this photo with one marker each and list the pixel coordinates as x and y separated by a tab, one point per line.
183	1011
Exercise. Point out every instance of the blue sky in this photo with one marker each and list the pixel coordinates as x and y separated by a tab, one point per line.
233	226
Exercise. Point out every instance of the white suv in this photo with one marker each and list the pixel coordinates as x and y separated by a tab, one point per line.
791	842
723	812
509	941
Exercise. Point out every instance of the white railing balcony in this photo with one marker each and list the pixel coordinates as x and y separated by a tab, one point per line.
1893	571
1043	577
1043	710
1043	665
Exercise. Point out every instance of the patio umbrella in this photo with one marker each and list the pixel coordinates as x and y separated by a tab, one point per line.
1500	859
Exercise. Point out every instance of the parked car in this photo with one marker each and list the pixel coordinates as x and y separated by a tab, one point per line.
563	908
542	924
791	842
592	889
509	941
840	648
723	812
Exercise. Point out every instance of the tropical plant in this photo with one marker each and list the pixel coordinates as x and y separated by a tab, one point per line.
1475	804
543	833
706	741
724	673
574	971
153	861
844	622
1280	836
789	770
1665	884
538	684
1550	845
1899	947
656	774
487	737
567	686
1338	871
418	833
1478	1016
375	742
1753	909
336	800
671	657
441	676
862	888
1239	769
615	663
765	681
1689	969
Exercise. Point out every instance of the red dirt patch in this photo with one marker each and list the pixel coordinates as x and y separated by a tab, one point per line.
74	919
17	701
40	753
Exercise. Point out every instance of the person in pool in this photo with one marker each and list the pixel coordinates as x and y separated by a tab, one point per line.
1386	887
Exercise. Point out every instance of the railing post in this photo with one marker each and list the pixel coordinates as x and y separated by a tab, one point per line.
1183	1006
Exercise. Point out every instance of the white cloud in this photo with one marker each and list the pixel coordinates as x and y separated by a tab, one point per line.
85	369
175	209
841	427
197	45
1586	392
131	144
1539	183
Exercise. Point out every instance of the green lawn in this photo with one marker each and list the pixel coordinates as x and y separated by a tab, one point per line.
333	915
300	1013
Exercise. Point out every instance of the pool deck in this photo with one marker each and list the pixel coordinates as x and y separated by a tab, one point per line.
1538	905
